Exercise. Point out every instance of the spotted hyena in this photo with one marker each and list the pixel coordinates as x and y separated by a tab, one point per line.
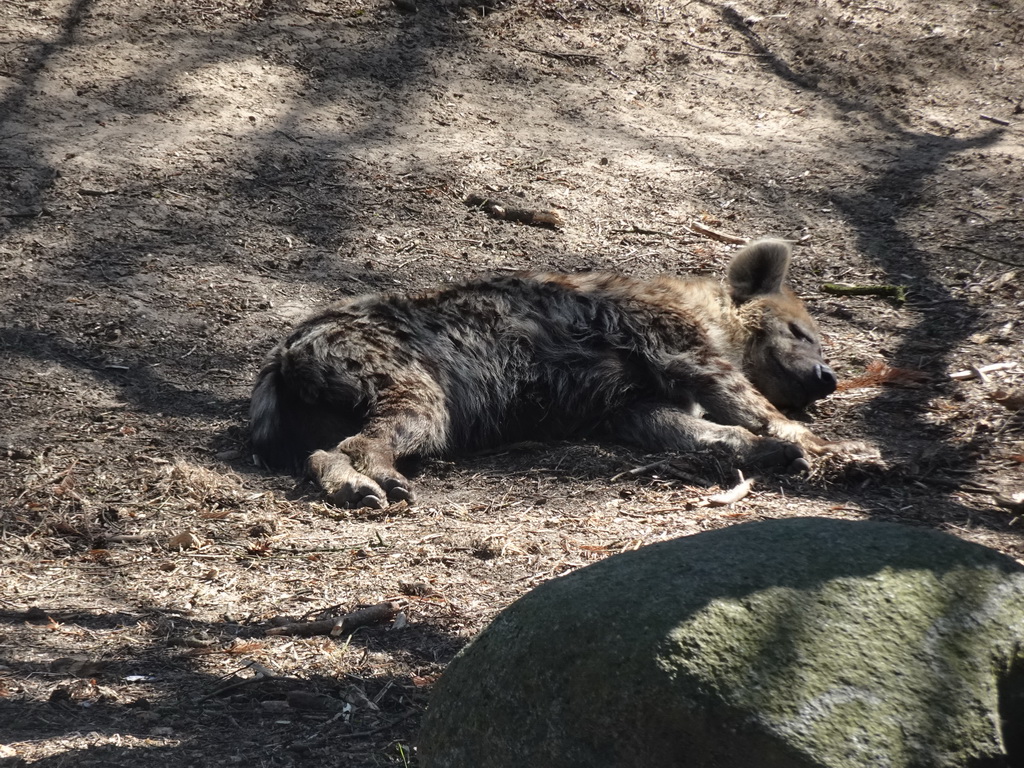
667	365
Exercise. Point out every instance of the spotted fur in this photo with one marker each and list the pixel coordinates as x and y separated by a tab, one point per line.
667	364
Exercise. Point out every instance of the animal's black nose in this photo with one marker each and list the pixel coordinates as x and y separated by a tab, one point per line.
826	379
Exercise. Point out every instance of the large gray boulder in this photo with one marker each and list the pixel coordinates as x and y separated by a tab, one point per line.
791	643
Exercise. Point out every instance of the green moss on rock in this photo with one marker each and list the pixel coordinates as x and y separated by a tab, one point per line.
803	642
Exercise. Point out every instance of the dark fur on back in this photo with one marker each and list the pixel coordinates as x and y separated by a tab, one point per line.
376	378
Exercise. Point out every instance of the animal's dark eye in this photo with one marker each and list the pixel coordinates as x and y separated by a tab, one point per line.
799	333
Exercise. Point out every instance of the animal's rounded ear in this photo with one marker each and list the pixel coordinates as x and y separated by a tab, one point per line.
759	269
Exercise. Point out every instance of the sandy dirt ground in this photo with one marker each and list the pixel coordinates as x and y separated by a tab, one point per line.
180	181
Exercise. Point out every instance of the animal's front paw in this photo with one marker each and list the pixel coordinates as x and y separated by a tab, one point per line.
769	453
853	450
811	444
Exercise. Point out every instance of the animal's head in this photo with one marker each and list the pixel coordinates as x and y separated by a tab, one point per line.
783	355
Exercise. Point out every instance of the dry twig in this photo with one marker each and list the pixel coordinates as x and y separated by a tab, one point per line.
699	229
496	210
734	494
996	120
980	255
979	373
261	675
727	53
897	293
639	470
340	625
567	56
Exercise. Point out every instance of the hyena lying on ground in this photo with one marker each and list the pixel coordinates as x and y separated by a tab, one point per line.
664	364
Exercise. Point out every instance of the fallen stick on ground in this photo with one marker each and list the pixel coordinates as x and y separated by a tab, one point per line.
986	256
496	210
260	675
734	494
996	120
639	470
979	373
564	56
374	614
726	53
339	625
699	229
897	293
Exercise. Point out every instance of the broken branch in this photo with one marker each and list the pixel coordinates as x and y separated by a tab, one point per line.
496	210
699	229
979	373
897	293
734	494
727	53
260	674
639	470
986	256
996	120
374	614
567	56
338	625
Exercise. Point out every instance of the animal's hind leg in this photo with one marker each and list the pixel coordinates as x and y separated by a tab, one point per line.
408	419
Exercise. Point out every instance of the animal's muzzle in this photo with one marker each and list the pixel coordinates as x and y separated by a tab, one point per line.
824	381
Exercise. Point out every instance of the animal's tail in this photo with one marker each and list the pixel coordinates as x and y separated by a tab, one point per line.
270	421
291	415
